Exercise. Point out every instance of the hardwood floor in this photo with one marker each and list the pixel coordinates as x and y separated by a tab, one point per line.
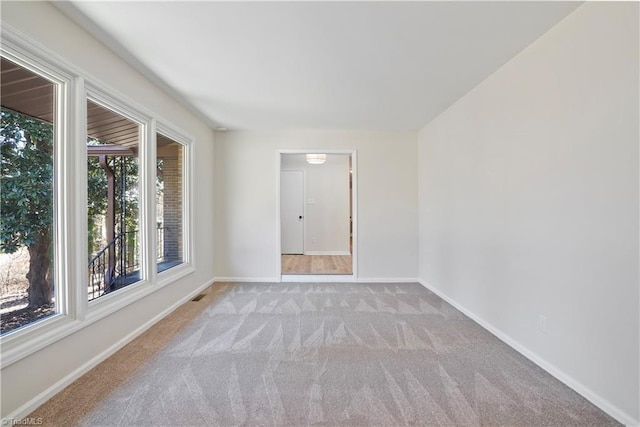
316	264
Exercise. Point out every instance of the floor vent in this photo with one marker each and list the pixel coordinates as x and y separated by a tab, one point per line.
198	298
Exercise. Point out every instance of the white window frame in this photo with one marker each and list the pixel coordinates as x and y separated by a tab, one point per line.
186	141
34	336
74	311
103	97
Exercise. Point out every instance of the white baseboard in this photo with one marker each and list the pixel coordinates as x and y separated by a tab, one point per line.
334	253
318	278
324	278
47	394
246	279
578	387
386	280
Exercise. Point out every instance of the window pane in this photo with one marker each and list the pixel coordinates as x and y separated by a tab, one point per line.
169	202
27	253
113	200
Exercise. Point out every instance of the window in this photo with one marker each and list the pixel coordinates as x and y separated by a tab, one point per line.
28	138
113	201
66	242
169	202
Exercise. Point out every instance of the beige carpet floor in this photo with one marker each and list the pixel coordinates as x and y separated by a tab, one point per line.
318	354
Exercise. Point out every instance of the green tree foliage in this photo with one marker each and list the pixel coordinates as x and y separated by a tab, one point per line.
128	191
27	194
97	195
96	202
26	202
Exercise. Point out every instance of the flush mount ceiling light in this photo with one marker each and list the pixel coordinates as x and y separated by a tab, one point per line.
316	159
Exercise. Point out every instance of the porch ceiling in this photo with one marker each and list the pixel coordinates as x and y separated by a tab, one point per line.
26	92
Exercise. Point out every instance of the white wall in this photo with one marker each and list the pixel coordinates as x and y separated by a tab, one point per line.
25	381
326	210
246	181
529	203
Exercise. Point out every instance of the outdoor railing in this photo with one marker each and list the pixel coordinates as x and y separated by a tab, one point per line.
101	276
105	276
124	252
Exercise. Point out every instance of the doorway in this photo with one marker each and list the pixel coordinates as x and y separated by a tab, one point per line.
317	215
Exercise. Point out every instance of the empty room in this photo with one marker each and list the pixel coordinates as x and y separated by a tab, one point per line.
320	213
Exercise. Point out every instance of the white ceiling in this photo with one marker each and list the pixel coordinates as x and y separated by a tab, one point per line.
318	65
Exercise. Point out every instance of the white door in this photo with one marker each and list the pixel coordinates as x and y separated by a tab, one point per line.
292	211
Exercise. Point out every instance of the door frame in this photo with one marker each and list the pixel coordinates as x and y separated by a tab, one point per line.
354	220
